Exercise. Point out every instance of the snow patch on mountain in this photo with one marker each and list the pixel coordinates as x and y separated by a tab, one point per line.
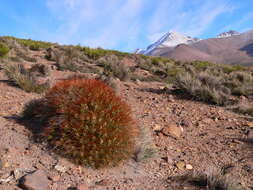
171	39
228	34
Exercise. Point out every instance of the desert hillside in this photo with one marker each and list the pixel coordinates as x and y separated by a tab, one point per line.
195	120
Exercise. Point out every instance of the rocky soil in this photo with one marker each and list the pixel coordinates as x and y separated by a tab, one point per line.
188	136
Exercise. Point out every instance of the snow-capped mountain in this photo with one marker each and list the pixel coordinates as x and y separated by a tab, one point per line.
228	34
228	48
171	39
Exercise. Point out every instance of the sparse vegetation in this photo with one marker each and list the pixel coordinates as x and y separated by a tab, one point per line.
23	78
31	44
243	108
211	179
203	87
96	53
145	146
91	125
40	70
3	50
240	83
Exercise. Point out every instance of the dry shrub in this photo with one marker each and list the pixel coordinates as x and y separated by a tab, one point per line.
240	83
145	146
211	179
40	70
243	108
203	87
91	125
23	78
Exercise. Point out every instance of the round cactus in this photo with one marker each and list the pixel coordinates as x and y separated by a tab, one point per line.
92	125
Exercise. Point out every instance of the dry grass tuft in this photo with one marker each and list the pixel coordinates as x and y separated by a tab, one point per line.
23	78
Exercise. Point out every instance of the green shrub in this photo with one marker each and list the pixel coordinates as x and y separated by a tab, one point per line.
31	44
91	125
3	50
232	68
201	65
23	78
96	53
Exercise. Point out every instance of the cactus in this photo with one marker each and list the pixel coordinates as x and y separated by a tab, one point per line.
92	126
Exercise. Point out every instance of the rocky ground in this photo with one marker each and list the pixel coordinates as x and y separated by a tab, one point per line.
188	136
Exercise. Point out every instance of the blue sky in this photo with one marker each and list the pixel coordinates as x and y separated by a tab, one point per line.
121	24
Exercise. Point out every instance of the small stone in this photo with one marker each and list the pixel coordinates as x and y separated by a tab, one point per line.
60	168
138	82
1	164
56	178
250	135
6	178
173	130
103	182
207	121
180	165
18	173
189	167
250	124
82	187
158	128
186	123
243	98
35	181
171	98
168	159
6	165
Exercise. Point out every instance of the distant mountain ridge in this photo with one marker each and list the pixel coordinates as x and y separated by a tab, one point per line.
229	47
228	34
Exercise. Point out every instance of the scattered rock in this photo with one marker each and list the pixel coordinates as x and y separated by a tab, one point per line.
173	130
6	178
18	173
158	128
138	82
82	187
189	167
243	98
56	178
250	135
35	181
168	159
186	123
103	182
250	124
60	168
180	165
171	98
207	121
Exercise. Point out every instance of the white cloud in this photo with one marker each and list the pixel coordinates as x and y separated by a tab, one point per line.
121	23
111	21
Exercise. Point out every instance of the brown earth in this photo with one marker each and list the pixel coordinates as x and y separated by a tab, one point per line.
209	136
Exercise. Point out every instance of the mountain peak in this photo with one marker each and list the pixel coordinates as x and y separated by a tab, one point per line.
171	39
228	34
